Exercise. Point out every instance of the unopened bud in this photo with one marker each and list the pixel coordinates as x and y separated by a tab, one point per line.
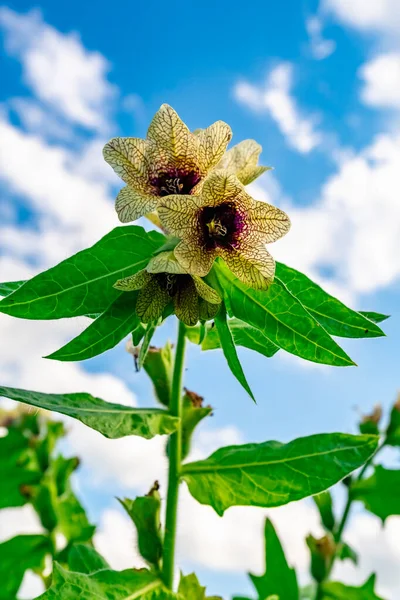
369	423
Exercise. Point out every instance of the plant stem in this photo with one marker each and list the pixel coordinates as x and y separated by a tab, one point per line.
175	454
346	512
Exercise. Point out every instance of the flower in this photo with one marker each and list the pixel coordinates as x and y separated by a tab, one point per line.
164	282
242	159
224	221
171	160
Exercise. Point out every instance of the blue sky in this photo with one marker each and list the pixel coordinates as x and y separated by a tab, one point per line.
317	84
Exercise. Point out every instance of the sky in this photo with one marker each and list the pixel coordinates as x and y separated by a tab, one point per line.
318	85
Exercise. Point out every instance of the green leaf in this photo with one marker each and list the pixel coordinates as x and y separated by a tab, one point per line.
280	317
333	590
72	519
243	335
190	589
144	348
83	283
229	349
380	492
273	474
104	333
158	366
106	585
308	592
85	559
192	413
19	470
17	555
279	579
145	513
374	316
9	287
393	430
344	552
112	420
325	507
336	318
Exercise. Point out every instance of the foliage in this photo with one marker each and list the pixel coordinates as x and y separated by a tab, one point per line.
218	278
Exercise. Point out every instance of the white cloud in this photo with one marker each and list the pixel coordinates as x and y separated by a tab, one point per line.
74	210
275	98
382	16
381	77
61	72
116	540
353	229
320	48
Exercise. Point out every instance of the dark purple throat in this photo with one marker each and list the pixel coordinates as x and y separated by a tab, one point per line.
175	181
221	225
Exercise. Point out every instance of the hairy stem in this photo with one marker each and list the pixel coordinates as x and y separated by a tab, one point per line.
175	455
345	516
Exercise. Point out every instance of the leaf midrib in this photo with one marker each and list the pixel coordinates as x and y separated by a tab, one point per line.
343	357
55	294
217	467
336	320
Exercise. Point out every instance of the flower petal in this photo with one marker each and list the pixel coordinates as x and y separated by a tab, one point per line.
178	214
207	310
205	291
222	187
165	262
195	259
132	204
173	138
212	144
186	304
133	282
251	264
267	222
127	156
151	301
242	160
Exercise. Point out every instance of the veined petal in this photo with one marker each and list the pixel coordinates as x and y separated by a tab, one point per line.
186	304
151	301
205	291
165	262
242	160
127	156
178	214
195	259
133	282
212	144
173	137
267	221
207	310
251	264
132	204
222	187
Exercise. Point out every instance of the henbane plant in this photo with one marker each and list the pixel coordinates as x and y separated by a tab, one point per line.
207	265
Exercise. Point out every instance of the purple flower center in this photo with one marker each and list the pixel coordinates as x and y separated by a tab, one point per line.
171	283
175	181
221	225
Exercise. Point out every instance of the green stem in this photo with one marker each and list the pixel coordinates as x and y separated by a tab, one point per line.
175	457
345	516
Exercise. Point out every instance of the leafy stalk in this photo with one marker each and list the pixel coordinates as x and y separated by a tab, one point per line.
175	457
338	533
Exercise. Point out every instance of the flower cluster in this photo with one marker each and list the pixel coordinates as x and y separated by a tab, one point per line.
197	188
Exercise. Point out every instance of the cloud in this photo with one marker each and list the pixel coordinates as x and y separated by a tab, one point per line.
320	48
381	16
61	72
381	77
352	230
275	98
